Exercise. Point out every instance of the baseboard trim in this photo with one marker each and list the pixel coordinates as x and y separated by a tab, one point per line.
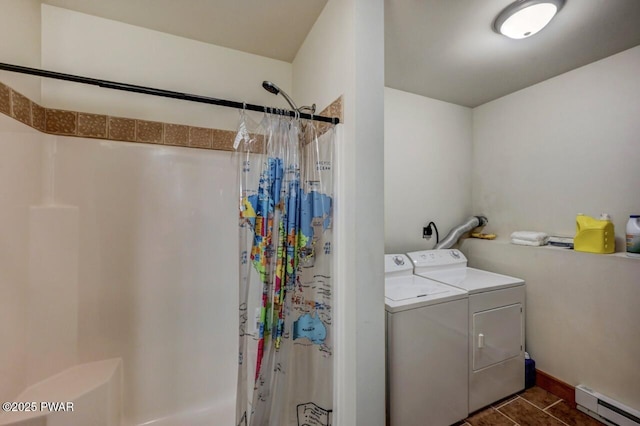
556	387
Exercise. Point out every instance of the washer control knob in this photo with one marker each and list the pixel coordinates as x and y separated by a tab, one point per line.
398	260
455	254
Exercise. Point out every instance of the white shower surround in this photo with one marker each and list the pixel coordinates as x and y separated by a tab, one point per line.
156	287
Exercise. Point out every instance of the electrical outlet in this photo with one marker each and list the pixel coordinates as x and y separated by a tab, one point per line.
426	232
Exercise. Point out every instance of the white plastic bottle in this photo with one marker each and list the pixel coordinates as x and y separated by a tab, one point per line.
633	236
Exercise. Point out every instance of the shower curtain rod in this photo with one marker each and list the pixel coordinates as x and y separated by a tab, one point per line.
161	92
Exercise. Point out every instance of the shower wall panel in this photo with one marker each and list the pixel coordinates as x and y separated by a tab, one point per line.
157	268
20	188
119	250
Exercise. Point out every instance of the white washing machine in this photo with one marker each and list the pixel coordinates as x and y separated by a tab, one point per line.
427	335
496	323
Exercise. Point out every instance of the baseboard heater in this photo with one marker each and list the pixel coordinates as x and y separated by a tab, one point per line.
605	409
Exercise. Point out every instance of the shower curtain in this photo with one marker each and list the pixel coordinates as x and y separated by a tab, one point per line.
285	365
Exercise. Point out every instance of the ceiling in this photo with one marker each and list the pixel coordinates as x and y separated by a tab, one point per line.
272	28
442	49
447	50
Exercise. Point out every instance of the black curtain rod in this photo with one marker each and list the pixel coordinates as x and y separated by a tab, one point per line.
161	92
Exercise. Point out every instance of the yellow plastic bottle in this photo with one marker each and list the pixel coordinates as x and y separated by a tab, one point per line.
594	235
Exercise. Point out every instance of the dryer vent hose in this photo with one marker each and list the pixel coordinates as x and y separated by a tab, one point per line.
454	235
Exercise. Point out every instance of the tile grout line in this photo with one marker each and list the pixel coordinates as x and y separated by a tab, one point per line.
543	411
504	405
553	415
504	415
557	419
548	414
548	406
507	402
531	403
555	403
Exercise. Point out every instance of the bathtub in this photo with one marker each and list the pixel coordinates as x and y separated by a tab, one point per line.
85	395
220	413
95	392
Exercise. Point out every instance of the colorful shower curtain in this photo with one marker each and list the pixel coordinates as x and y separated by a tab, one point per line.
285	365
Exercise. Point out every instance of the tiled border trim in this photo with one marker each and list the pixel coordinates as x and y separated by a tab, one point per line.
98	126
556	387
333	110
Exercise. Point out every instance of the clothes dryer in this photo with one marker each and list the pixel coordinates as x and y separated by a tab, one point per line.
496	323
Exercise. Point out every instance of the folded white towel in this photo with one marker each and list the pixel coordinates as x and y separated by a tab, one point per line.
530	236
527	242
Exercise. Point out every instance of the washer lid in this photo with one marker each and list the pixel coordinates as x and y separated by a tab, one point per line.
412	287
473	280
409	292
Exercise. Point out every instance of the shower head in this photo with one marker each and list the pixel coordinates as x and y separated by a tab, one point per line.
272	88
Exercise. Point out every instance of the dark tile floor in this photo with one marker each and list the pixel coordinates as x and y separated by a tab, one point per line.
533	407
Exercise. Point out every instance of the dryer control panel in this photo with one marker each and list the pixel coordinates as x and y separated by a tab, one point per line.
428	260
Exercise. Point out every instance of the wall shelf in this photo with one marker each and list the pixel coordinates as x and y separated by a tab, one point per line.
620	254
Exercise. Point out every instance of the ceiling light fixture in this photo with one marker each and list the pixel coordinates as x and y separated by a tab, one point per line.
524	18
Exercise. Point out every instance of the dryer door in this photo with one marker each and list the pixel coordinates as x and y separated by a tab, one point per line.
497	335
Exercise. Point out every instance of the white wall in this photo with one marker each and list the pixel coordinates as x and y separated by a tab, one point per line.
89	46
427	168
20	44
565	146
541	155
20	187
343	54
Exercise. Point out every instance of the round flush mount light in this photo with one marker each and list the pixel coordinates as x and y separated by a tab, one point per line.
524	18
